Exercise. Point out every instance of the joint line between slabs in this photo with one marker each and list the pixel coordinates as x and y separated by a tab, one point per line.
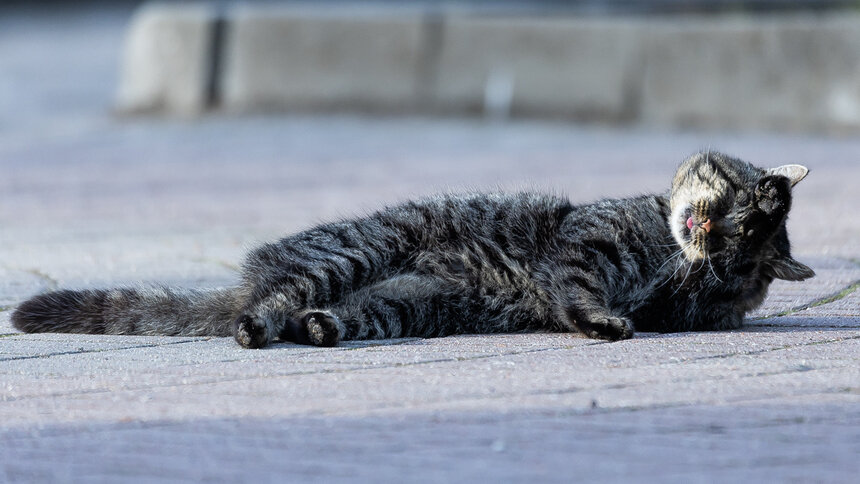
768	350
102	350
836	296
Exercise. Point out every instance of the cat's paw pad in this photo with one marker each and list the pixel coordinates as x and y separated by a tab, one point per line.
250	332
609	328
322	328
773	194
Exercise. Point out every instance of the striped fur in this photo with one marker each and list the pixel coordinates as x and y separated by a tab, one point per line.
485	263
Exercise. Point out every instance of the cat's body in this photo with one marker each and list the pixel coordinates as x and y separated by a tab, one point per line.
486	263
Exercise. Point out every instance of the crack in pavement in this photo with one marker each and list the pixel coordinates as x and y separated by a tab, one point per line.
766	350
805	327
98	350
836	296
661	406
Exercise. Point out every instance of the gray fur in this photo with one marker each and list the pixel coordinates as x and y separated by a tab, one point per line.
485	263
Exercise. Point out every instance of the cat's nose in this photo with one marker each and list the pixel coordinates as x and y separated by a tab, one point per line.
706	225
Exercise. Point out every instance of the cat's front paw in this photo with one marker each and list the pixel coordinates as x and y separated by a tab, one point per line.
609	328
773	195
250	332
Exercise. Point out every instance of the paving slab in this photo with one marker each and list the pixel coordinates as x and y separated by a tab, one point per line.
833	277
779	440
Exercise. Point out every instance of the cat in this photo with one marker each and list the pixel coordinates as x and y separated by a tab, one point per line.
696	258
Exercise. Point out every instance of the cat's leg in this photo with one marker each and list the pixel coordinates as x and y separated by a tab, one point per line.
576	285
771	203
404	305
422	305
316	268
579	297
587	313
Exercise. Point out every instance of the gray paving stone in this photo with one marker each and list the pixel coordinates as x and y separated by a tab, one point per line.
17	284
152	176
847	307
13	347
832	277
703	368
776	440
800	320
127	259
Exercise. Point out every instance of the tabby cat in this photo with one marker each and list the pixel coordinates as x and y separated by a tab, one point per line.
696	258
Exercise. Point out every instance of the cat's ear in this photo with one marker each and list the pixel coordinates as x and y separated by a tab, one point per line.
795	173
787	269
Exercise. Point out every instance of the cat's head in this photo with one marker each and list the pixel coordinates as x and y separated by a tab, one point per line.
710	202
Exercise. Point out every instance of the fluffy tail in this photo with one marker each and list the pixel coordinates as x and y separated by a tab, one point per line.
142	311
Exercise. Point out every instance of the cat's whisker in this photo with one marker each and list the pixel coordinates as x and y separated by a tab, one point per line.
686	275
712	269
669	259
681	284
679	257
701	265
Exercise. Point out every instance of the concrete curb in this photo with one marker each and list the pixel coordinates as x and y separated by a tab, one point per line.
167	60
774	72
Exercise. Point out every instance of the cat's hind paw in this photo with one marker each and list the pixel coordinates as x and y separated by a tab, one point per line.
609	328
250	332
322	328
317	328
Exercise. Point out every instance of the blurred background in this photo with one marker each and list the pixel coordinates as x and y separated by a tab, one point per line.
272	115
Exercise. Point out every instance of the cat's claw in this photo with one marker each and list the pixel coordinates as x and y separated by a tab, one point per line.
250	332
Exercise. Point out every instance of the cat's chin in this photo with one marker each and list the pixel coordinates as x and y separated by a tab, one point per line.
685	243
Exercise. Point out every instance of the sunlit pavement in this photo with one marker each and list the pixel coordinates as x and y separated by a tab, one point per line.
87	199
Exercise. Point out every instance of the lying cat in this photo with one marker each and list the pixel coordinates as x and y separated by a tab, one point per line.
697	258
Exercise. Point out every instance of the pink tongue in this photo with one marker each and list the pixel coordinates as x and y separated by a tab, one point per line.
690	223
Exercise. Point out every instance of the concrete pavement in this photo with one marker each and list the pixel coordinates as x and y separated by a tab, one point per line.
89	200
179	203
